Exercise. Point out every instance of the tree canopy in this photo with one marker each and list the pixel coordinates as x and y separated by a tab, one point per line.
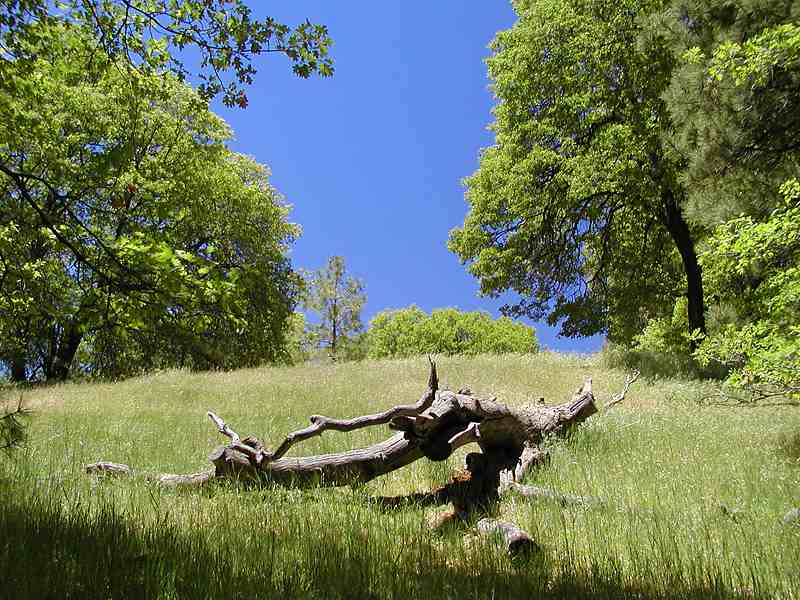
153	34
449	331
129	231
619	126
577	206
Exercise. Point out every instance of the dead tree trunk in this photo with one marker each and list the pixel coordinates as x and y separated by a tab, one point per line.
434	427
509	439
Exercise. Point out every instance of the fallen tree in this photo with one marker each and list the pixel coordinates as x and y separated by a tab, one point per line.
509	439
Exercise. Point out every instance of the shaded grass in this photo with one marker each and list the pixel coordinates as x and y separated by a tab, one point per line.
695	495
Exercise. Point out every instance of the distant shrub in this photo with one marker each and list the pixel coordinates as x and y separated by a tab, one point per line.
410	331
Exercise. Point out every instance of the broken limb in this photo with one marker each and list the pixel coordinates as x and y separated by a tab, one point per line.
516	541
509	440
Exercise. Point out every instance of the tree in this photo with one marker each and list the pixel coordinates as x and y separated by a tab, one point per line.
410	332
753	259
129	231
625	133
337	299
735	105
510	440
151	35
578	205
754	269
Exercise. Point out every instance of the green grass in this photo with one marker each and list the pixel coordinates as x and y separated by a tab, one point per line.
694	494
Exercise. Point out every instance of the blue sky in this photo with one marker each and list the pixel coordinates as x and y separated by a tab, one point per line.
372	159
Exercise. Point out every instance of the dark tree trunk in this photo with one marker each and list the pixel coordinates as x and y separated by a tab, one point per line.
65	352
18	372
682	236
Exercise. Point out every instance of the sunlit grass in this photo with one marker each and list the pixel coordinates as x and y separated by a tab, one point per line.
693	495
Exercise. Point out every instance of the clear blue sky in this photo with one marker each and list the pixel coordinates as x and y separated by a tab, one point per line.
372	159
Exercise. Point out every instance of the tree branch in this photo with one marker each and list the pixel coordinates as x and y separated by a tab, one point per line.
617	398
320	424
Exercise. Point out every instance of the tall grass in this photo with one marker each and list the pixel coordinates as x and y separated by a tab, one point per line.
694	496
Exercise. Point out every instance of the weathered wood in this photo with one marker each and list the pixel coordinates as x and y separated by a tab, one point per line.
792	517
516	541
617	398
223	427
536	492
451	421
107	468
434	427
320	423
190	480
509	439
531	457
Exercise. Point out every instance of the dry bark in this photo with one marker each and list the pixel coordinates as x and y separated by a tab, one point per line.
516	541
434	427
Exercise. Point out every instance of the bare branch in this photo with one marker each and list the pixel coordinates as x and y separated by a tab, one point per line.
516	541
536	492
224	429
320	423
532	456
617	398
471	434
107	468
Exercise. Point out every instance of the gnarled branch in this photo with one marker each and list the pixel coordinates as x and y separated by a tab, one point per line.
320	423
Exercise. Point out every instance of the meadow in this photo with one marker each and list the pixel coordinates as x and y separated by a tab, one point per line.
694	494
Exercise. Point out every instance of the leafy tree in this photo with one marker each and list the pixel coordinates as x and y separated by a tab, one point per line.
410	331
394	333
735	105
754	268
129	230
337	298
620	141
152	35
578	205
740	144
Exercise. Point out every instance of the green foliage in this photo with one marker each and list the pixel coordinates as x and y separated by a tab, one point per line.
669	335
298	346
734	104
625	132
337	298
754	267
13	433
577	206
130	235
152	35
410	332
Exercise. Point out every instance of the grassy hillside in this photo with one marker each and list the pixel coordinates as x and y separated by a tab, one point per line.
695	494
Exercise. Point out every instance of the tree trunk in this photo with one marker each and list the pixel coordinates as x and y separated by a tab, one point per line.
68	345
682	236
434	427
516	541
18	371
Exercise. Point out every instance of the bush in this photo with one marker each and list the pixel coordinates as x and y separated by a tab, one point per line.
410	331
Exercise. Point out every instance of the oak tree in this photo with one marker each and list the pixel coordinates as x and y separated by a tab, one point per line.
128	229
